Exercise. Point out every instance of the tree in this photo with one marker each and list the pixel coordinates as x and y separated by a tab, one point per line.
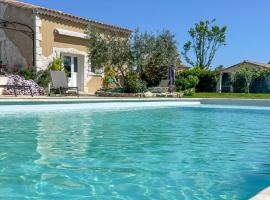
205	42
153	53
243	78
107	49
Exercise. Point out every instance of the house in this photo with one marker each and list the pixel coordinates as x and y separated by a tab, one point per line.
31	36
225	83
181	67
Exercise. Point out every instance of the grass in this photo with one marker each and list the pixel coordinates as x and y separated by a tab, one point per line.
229	95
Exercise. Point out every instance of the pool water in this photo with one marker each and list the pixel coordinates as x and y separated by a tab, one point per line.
197	152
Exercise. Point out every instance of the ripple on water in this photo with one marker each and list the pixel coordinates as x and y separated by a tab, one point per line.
163	153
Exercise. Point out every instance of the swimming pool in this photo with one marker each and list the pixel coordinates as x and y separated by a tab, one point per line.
165	151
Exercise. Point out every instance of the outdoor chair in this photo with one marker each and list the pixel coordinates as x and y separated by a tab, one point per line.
60	83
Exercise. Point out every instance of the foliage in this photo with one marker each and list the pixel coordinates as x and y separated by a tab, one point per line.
43	78
149	53
133	83
183	83
27	73
208	81
189	92
108	49
57	65
109	77
243	78
153	74
207	78
261	83
153	53
21	81
205	41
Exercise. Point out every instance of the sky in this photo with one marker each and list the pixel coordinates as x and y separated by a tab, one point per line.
248	21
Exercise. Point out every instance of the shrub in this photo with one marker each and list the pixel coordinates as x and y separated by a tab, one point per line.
261	84
27	73
183	83
133	84
109	77
18	80
207	81
153	73
43	78
243	79
56	65
189	92
207	78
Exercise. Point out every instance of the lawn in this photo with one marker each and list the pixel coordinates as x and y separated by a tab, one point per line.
229	95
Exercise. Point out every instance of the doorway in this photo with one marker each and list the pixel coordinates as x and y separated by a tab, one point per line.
71	68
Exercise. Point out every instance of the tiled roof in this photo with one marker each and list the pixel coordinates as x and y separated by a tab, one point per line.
182	66
41	10
257	63
264	65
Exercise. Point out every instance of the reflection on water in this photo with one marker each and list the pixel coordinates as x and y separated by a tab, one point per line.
62	137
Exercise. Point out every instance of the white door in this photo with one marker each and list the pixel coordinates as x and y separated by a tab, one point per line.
71	66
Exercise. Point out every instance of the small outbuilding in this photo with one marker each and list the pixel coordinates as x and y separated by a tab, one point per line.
225	82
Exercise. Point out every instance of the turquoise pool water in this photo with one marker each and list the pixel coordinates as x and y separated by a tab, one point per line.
196	152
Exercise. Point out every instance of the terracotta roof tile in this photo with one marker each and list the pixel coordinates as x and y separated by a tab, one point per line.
60	13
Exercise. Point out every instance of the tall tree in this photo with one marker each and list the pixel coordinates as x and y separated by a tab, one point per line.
205	42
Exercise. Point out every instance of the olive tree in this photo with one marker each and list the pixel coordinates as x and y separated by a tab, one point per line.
107	49
153	53
243	78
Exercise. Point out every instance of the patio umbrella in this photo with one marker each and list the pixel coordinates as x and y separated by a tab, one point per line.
171	75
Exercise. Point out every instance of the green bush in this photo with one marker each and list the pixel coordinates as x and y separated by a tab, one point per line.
207	81
183	83
27	73
243	79
239	83
57	65
189	92
110	77
207	78
153	73
43	78
133	84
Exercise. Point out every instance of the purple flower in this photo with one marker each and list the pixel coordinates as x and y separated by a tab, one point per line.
20	81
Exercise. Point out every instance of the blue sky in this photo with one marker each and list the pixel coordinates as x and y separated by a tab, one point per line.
248	21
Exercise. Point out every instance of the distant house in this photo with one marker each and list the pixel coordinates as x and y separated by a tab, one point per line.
181	67
225	84
31	36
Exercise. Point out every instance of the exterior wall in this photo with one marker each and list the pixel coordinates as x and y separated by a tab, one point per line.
16	47
94	84
51	39
54	45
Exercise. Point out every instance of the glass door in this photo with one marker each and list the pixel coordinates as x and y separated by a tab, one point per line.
71	68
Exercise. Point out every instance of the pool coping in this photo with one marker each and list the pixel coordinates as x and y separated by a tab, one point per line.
36	98
263	195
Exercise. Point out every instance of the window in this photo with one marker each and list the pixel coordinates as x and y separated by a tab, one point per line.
75	64
67	65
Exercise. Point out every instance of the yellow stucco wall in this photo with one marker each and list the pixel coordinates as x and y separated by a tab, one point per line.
94	84
51	39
